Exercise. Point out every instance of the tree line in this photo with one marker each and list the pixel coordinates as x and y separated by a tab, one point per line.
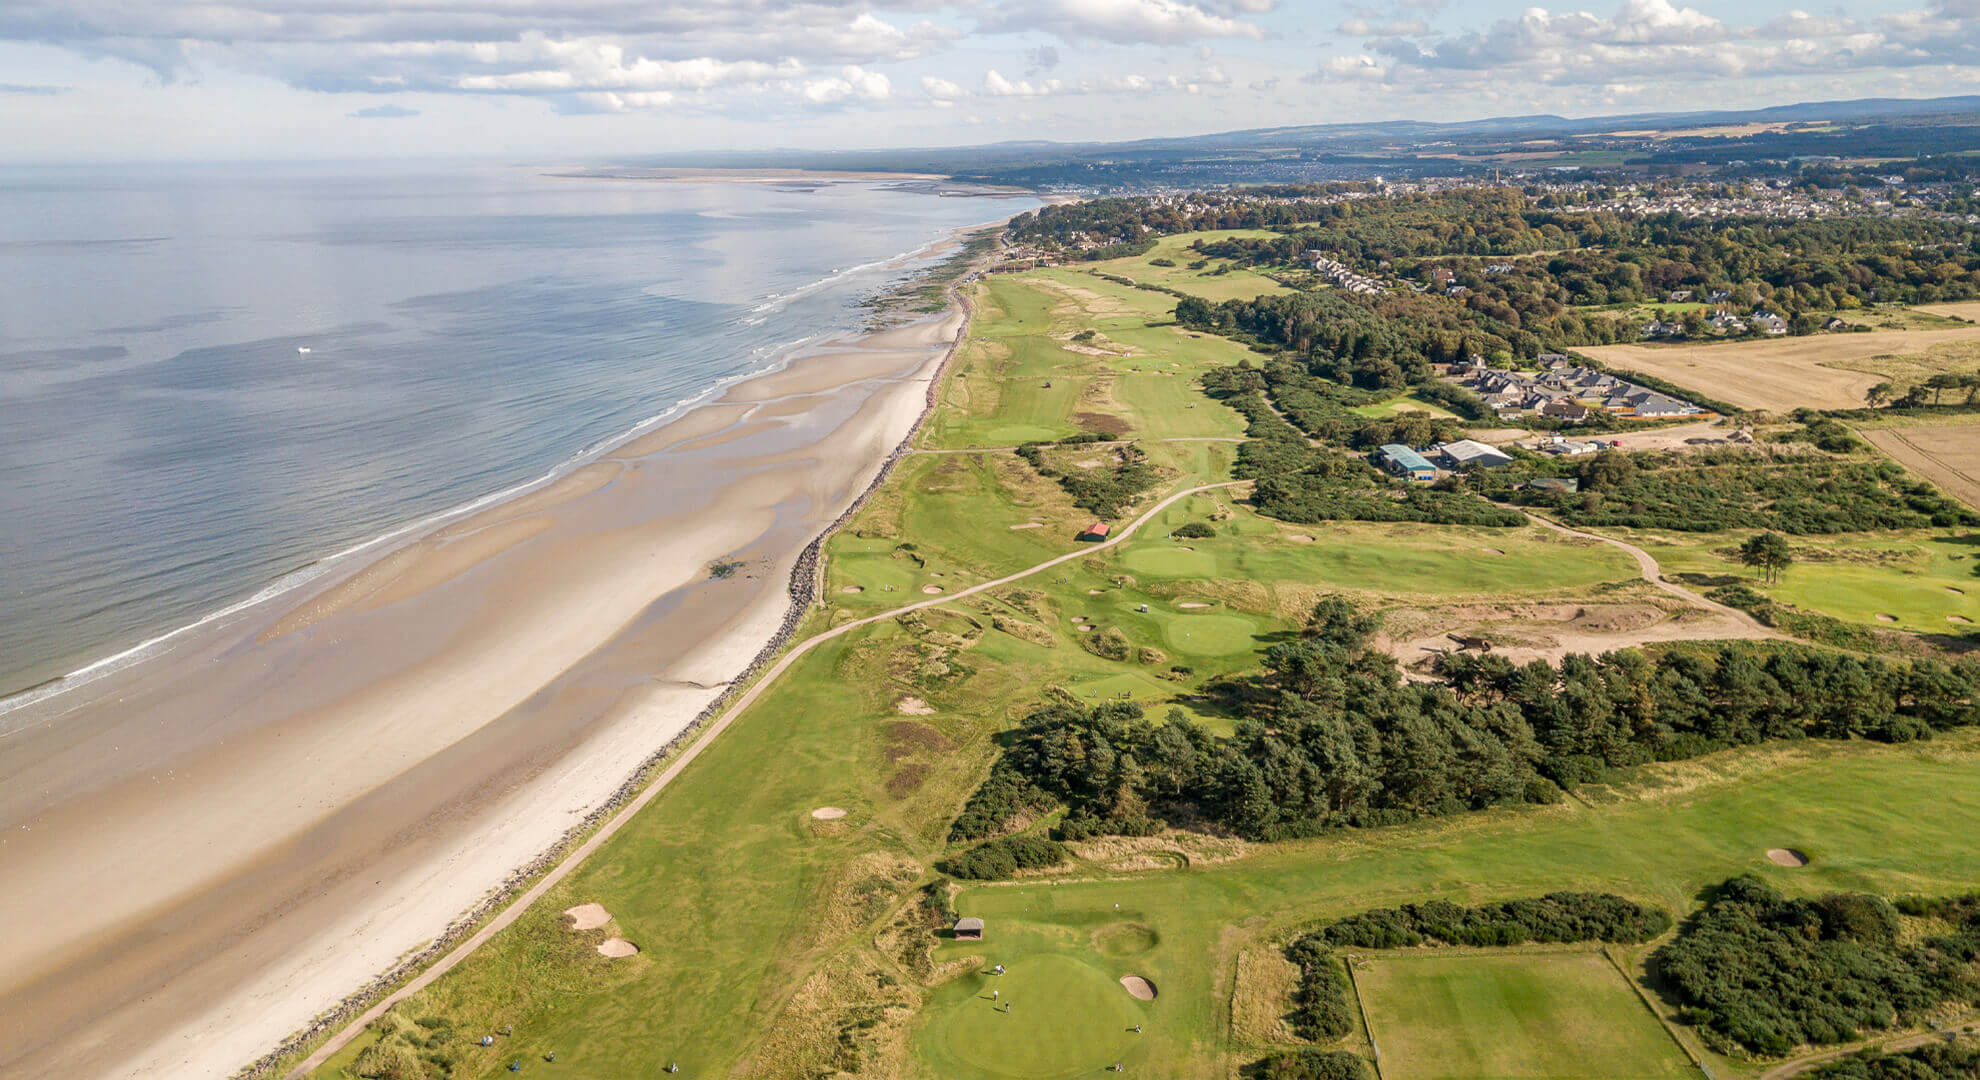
1328	735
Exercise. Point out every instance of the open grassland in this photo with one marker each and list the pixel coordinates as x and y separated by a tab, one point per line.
779	944
1218	280
1946	454
1527	1015
1924	582
1825	371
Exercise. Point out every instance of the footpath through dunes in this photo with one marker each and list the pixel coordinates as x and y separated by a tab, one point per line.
263	818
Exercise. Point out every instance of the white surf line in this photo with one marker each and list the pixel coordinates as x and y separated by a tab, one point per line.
597	840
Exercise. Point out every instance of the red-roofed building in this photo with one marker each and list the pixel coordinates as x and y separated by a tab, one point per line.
1095	531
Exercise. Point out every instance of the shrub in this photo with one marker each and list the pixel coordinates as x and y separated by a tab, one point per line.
998	859
1310	1064
1194	530
1321	1009
1556	917
1758	972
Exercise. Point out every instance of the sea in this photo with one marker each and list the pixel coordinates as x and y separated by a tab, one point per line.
217	380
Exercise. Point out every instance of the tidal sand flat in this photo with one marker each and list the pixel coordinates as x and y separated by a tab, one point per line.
286	805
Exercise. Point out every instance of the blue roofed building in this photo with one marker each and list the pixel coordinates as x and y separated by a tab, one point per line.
1402	461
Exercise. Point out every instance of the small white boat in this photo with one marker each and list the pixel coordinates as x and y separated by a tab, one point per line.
302	350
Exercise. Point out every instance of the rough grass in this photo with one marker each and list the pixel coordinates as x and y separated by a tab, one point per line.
1540	1016
1262	998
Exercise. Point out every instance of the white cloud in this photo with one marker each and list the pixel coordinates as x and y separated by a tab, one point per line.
852	84
1167	22
941	92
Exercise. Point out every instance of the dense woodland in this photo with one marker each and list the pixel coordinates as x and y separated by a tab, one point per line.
1759	972
1805	493
1329	735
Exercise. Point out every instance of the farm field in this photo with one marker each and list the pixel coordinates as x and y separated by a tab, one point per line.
1946	454
1517	1016
1920	582
777	939
1826	371
1234	283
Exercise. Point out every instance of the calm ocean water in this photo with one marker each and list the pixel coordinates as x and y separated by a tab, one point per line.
166	449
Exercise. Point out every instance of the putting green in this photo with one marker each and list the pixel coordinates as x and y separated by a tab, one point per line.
1210	635
1171	562
1067	1019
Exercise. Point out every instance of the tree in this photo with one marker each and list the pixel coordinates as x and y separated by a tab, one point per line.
1769	553
1879	394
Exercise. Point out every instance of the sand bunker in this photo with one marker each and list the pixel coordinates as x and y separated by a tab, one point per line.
853	589
1095	592
1030	525
1881	617
828	813
616	947
1191	605
1084	628
588	916
914	706
1786	856
1138	988
1956	590
1492	551
1300	538
1959	619
931	590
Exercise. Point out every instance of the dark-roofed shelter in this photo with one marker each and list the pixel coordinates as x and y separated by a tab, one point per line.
969	928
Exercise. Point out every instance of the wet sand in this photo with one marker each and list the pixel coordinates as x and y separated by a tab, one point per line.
209	848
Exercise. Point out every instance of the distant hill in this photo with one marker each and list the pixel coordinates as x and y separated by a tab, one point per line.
1887	127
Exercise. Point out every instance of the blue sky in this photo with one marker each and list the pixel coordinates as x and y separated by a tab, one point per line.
220	79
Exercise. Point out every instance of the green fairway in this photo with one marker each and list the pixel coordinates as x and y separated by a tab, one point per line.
1067	1018
1525	1016
1687	825
1211	635
1218	279
1406	403
1920	581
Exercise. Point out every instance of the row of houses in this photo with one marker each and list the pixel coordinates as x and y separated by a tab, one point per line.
1343	276
1564	390
1725	322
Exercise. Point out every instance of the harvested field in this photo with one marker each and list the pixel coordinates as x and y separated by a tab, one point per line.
1781	373
1948	455
1964	309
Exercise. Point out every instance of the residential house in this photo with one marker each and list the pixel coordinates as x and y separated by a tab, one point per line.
1571	411
1769	323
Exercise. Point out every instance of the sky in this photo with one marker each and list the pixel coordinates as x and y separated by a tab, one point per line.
113	80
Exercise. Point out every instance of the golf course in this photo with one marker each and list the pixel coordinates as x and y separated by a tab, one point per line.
775	941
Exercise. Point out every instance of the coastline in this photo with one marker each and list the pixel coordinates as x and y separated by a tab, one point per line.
761	465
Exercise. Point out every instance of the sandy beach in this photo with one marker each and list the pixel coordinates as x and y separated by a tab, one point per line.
206	850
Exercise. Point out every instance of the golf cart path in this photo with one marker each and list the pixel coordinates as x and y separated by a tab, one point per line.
1646	565
557	874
